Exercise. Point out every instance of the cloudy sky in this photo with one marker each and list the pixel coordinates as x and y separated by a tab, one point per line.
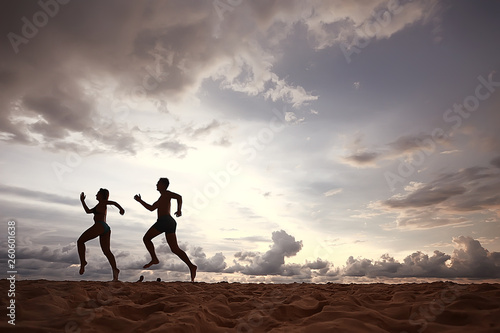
311	140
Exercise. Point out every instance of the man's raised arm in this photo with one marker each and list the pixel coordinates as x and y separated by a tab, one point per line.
137	197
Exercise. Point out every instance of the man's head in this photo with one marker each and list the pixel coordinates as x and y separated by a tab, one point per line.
162	183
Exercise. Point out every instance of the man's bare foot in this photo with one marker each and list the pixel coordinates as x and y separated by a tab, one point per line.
115	274
193	272
82	267
152	262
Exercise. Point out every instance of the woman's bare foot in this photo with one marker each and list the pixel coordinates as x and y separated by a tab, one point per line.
193	272
82	267
152	262
115	274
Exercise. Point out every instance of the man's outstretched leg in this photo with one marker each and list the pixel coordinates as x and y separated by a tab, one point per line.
150	234
172	242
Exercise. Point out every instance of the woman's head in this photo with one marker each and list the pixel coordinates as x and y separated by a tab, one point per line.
103	194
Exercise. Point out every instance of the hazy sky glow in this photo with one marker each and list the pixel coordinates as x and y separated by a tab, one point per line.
316	141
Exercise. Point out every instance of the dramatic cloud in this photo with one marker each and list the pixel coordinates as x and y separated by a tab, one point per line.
469	260
447	200
273	261
62	262
214	264
410	147
355	25
365	158
426	195
144	54
66	254
319	104
92	57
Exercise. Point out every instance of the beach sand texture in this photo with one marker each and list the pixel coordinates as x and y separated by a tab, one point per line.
86	306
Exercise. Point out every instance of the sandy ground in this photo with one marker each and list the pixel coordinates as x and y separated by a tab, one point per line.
86	306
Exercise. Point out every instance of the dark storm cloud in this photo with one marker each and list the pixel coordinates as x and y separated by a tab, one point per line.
41	79
151	50
426	196
44	79
449	199
362	158
468	190
402	146
50	262
65	254
60	114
